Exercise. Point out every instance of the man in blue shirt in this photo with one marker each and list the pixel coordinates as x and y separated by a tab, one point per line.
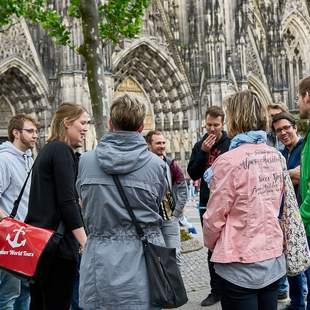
284	126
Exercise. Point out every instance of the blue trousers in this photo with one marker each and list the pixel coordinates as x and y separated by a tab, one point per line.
307	274
9	290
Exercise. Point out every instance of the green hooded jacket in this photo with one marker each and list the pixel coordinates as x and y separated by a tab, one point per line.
305	183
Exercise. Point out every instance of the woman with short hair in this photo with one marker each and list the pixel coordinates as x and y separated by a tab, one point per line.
241	223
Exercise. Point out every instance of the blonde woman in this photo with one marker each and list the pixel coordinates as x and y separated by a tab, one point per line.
241	225
53	199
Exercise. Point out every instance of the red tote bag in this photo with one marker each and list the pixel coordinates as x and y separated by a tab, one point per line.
21	246
27	251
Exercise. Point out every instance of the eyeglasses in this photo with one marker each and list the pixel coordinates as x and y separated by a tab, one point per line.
31	131
285	128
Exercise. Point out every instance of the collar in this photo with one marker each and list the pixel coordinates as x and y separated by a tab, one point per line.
253	137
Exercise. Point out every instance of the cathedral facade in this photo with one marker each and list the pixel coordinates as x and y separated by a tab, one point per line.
189	55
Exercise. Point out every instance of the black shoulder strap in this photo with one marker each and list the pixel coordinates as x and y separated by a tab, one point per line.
127	206
17	201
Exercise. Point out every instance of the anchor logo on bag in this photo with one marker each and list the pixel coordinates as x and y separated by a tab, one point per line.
14	243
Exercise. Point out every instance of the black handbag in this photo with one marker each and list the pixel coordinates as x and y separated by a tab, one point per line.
165	281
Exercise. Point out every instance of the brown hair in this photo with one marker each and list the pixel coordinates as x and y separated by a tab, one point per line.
150	134
17	122
283	115
245	111
215	111
127	113
65	112
278	105
304	86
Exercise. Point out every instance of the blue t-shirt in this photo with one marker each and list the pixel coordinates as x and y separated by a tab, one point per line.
292	161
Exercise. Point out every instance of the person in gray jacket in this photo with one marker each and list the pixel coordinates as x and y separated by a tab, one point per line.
175	198
113	273
15	163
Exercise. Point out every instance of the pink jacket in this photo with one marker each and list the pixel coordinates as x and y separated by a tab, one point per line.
241	222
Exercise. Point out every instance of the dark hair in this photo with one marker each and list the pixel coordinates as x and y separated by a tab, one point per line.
215	111
150	134
283	115
17	122
304	86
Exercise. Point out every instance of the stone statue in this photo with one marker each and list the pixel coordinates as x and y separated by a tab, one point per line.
167	136
176	141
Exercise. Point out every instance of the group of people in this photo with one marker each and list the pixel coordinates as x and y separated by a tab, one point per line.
241	189
79	193
241	200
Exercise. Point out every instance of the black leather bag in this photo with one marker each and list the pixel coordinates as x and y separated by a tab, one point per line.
165	281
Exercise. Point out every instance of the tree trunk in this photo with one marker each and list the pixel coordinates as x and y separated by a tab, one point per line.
92	52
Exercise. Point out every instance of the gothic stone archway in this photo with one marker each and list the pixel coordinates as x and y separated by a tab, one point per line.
22	91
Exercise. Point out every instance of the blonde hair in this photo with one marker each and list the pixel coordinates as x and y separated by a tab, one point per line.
281	106
66	112
127	113
245	111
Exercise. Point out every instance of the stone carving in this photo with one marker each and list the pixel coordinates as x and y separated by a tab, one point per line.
167	136
176	141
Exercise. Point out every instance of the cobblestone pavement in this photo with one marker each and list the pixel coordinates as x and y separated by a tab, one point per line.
195	269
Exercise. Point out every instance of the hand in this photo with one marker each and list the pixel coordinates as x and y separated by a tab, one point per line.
295	175
208	143
2	214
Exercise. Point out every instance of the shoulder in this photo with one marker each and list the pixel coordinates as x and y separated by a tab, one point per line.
224	141
58	148
87	158
226	159
59	145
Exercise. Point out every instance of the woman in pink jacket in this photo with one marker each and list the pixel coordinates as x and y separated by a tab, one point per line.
241	222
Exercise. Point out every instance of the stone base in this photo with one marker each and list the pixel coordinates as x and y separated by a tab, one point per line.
191	246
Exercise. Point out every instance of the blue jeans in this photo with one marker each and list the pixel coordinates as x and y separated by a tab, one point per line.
171	233
75	295
283	285
9	290
298	290
23	300
307	274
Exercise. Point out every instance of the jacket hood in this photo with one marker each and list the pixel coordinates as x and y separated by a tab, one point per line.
122	152
25	157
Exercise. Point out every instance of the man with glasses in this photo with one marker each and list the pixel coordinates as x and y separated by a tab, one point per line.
214	143
284	126
15	163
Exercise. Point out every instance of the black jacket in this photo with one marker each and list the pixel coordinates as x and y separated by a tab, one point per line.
200	161
53	197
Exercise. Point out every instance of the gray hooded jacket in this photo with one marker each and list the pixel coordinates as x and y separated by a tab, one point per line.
113	273
14	168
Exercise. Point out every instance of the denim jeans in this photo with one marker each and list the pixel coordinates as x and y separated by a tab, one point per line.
9	290
23	300
75	295
298	290
283	285
171	232
235	297
307	274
